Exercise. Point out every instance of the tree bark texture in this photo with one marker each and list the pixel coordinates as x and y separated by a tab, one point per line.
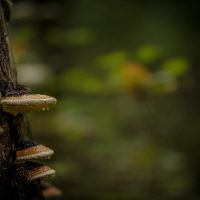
13	182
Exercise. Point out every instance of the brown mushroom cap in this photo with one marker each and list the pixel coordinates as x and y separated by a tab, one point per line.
52	191
41	172
49	190
27	103
35	152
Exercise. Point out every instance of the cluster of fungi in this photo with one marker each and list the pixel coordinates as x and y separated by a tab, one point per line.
21	175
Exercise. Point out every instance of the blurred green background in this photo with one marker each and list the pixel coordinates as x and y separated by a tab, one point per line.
126	76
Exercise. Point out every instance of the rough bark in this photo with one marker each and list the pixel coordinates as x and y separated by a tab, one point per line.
5	69
13	183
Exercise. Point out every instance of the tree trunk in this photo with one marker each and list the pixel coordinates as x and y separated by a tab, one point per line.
13	182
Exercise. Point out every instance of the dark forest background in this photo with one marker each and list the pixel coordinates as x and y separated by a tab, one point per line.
126	76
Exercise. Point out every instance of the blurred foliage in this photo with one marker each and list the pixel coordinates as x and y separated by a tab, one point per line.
126	77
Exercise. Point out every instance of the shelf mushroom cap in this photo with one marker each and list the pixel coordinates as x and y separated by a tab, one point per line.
37	171
30	150
27	103
49	190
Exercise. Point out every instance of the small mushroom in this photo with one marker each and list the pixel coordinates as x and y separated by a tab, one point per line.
49	190
35	171
27	103
30	150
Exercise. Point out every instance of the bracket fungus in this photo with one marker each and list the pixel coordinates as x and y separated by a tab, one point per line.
27	103
35	171
49	190
30	150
